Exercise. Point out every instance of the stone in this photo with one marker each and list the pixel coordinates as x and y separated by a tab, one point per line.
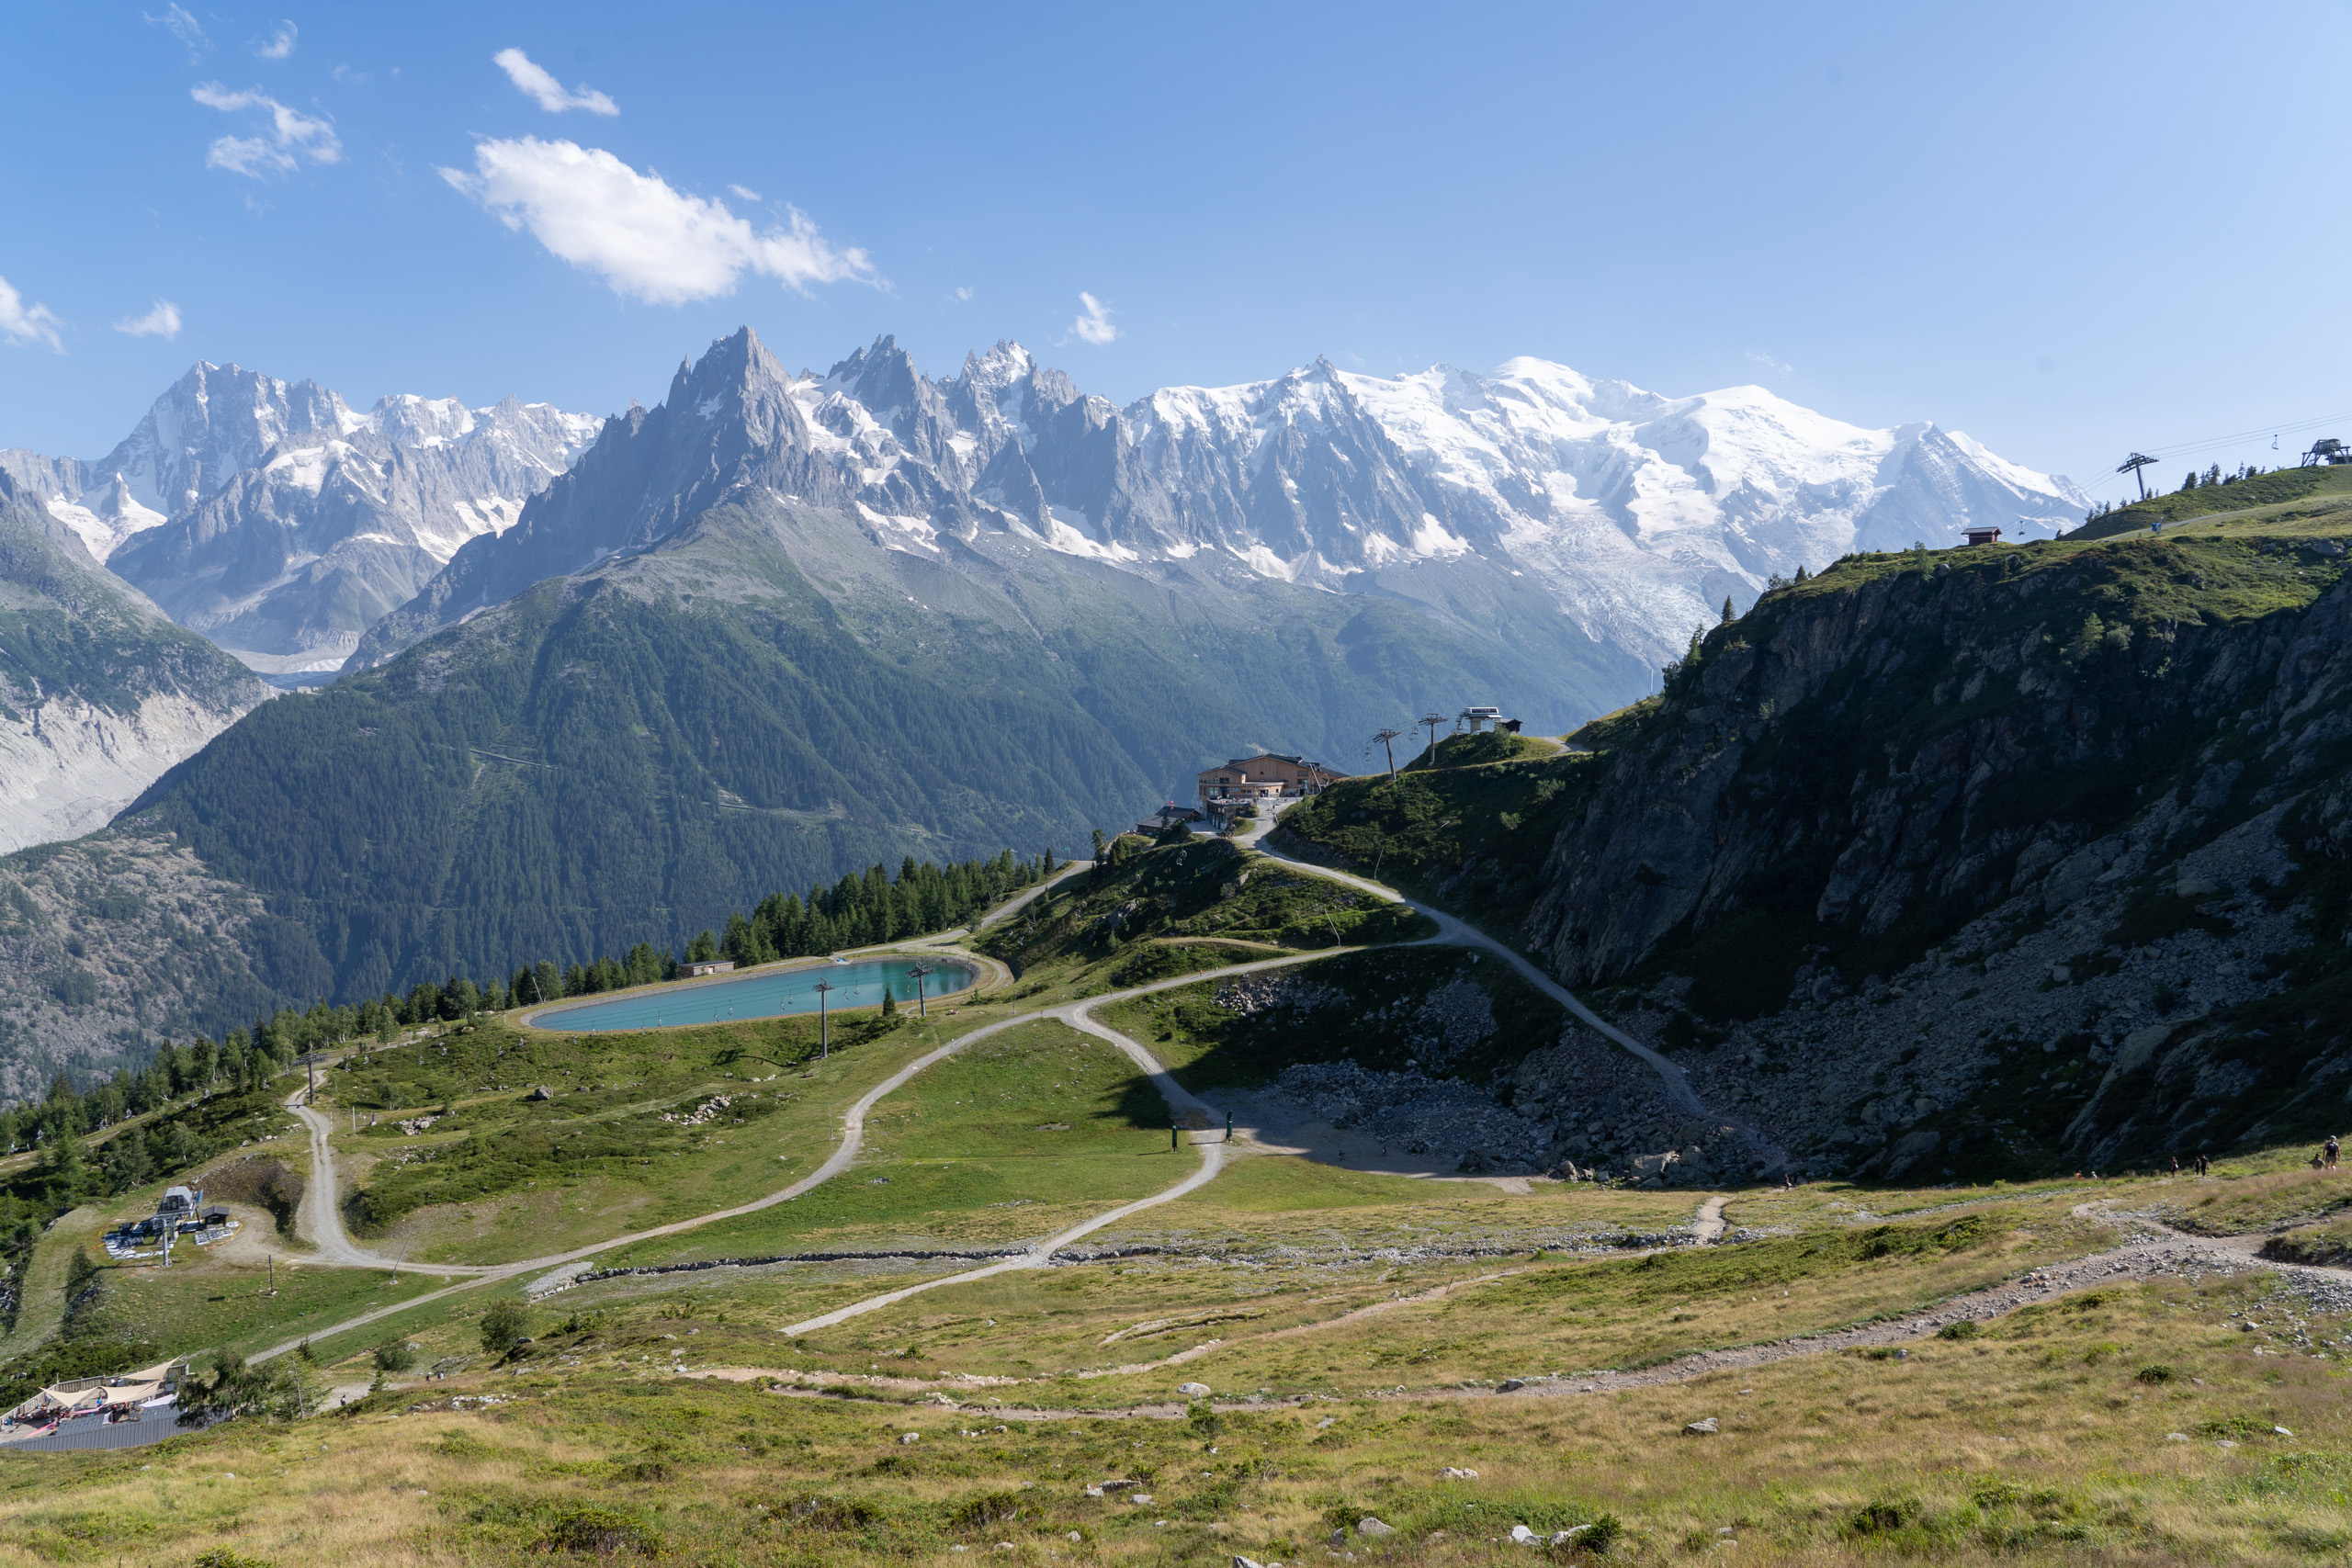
1563	1538
1525	1535
907	1437
1193	1390
1373	1528
1241	1562
542	1092
1451	1473
1101	1488
2176	1437
1140	1499
1511	1385
1338	1539
1075	1536
2282	1431
1706	1429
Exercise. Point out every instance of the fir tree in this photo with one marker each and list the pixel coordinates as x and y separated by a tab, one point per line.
1728	613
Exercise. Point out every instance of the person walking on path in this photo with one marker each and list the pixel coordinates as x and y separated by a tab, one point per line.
2333	1147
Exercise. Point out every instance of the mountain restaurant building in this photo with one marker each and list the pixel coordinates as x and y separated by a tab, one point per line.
1234	787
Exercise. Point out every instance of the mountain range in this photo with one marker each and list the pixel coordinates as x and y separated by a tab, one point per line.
281	523
788	624
1634	514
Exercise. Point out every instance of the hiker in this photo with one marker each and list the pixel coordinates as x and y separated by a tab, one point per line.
2334	1147
2176	1164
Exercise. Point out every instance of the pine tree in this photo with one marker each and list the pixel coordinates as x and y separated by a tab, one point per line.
889	1004
1728	613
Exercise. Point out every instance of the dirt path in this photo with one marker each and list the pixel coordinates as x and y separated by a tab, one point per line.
1078	1016
1456	932
322	1204
318	1218
1022	900
2157	1252
845	1153
1707	1225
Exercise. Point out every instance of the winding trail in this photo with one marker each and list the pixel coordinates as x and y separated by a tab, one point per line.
1077	1015
320	1214
1453	931
1769	1150
335	1246
2156	1251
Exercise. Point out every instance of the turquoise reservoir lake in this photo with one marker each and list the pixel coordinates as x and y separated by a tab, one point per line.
858	985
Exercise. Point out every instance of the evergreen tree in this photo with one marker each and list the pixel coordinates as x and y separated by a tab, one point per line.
65	1169
1728	615
703	949
889	1004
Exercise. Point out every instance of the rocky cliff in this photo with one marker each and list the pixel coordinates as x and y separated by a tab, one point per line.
1977	861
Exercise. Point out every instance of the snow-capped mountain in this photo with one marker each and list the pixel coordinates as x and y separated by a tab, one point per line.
1637	514
275	519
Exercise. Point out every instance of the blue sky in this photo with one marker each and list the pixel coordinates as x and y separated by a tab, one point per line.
2068	231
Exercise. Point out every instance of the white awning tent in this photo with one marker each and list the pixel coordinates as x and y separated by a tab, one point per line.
79	1396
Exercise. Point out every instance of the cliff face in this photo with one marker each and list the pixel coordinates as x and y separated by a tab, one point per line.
1995	861
1991	858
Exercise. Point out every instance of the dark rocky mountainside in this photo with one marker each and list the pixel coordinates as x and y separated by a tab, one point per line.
1982	860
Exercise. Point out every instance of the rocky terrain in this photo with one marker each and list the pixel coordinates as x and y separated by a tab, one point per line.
1963	862
112	946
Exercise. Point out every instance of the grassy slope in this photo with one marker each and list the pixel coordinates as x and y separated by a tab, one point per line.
2037	1441
1365	1016
2290	495
1203	889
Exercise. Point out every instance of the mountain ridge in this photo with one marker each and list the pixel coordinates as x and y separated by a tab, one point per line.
1601	493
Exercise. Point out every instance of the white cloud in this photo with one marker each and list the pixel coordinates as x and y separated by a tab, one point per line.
278	45
161	320
643	238
1769	363
744	193
963	292
291	134
1093	326
545	90
183	26
23	323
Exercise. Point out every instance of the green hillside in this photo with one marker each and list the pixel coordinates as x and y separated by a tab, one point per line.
67	629
2280	496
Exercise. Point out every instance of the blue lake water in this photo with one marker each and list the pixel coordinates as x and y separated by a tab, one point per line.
857	984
